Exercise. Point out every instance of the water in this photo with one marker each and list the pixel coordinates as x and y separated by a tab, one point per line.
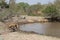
51	29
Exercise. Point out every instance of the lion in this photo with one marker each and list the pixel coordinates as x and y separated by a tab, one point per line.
12	26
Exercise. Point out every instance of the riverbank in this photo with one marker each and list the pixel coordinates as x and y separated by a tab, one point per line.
26	36
27	19
31	19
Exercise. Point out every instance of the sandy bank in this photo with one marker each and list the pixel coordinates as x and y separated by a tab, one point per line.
27	36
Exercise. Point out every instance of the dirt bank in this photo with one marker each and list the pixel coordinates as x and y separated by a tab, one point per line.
26	36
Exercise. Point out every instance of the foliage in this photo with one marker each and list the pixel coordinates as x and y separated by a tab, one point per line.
50	11
4	4
22	7
33	9
57	4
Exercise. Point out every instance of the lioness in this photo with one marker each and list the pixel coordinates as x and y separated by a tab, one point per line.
12	26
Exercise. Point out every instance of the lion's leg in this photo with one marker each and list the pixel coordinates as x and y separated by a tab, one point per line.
11	29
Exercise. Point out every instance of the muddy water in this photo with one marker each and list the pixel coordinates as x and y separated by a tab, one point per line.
51	29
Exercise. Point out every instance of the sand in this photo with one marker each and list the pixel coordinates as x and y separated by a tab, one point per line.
26	36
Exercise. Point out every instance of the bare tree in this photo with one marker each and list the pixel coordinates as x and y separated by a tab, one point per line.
12	4
12	7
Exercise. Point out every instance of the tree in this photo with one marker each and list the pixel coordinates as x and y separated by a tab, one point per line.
23	7
3	4
50	11
36	9
3	9
12	4
57	4
12	8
